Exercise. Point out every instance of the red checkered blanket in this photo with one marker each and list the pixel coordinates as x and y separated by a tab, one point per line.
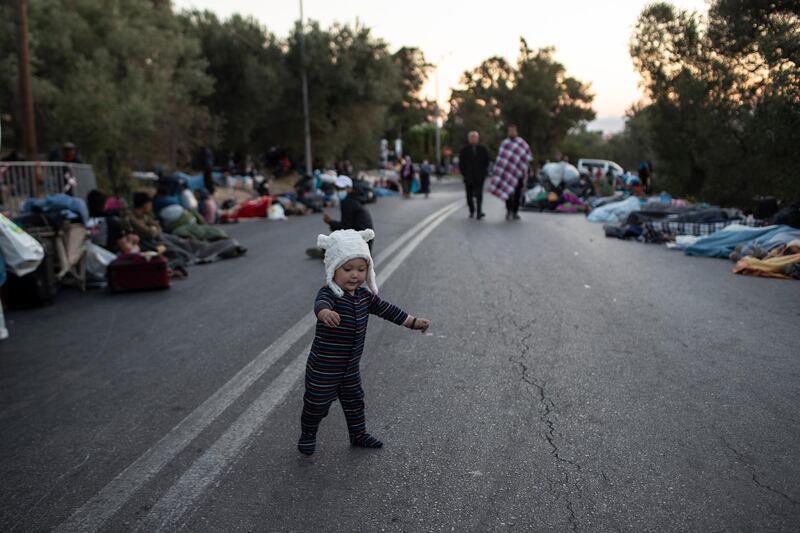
510	167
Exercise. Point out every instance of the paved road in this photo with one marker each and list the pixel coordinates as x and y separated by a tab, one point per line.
569	382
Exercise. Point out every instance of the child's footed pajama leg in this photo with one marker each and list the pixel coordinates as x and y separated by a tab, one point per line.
351	396
316	403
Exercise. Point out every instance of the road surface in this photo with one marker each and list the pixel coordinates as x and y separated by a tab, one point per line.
568	383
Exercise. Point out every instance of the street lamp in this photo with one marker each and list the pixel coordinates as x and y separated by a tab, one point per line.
438	118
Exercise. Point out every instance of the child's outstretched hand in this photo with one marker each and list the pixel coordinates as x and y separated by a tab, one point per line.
329	318
421	324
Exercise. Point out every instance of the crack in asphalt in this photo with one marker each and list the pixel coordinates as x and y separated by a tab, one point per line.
752	469
537	388
547	407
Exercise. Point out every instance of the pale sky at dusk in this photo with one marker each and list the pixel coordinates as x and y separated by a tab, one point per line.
591	37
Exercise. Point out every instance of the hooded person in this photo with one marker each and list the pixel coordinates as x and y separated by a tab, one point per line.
342	308
354	215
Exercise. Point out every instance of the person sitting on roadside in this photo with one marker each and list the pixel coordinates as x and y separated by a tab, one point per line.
109	229
142	220
354	215
168	193
179	252
120	240
584	188
602	187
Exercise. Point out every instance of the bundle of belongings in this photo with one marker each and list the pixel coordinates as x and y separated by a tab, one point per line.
57	225
562	190
28	270
565	201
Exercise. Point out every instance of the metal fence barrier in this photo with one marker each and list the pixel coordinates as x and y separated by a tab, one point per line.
20	180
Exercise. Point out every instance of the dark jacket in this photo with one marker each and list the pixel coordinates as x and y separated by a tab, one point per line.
473	162
354	216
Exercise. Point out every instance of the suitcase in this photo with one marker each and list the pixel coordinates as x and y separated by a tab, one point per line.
134	272
36	289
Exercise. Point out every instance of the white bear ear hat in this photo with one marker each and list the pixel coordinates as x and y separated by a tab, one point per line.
340	247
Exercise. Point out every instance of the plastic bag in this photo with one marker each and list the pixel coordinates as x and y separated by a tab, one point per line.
188	200
22	253
97	259
276	212
531	194
556	173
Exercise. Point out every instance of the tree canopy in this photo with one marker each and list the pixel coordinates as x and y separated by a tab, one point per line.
535	94
134	83
724	97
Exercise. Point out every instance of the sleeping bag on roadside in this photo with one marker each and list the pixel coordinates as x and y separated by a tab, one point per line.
615	212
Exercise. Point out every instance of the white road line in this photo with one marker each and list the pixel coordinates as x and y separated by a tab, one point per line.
389	269
166	513
102	506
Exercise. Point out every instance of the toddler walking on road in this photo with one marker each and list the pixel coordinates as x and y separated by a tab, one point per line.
343	307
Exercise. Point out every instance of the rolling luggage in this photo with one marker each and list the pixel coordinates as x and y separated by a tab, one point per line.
134	272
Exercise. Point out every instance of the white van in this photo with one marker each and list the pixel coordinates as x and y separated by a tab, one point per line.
591	166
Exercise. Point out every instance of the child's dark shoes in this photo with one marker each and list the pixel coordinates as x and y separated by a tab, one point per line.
307	444
365	440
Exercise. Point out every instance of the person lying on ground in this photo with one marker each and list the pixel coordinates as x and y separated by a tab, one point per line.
189	224
180	252
342	308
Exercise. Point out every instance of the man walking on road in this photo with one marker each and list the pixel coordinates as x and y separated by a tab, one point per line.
473	162
511	171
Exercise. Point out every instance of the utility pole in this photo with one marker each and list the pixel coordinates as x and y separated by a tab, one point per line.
25	81
306	120
438	127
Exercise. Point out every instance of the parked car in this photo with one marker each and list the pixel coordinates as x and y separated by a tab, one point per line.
591	166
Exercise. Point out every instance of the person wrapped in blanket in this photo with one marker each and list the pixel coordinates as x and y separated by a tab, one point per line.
510	171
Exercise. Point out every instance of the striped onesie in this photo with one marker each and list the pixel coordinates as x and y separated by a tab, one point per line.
332	370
